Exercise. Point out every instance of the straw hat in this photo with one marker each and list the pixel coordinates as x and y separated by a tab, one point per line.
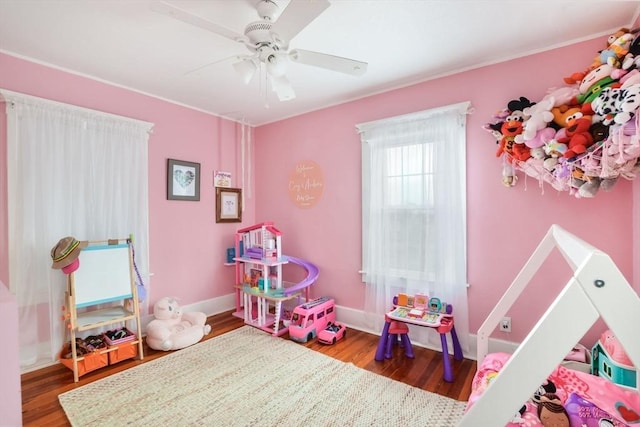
66	251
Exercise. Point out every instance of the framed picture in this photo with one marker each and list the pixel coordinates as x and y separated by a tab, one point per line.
221	179
183	180
228	204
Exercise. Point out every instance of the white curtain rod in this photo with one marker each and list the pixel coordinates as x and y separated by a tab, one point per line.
462	107
13	97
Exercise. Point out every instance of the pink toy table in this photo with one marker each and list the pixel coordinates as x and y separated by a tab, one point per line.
442	322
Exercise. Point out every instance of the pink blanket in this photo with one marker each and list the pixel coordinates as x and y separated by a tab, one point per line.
567	399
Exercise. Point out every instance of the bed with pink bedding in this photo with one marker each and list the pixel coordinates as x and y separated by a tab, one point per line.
568	398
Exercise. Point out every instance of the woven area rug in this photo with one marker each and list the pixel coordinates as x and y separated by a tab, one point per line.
249	378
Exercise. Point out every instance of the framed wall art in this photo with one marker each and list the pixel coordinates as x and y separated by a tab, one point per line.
221	179
183	180
228	204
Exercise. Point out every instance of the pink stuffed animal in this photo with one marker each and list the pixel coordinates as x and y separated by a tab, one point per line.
172	329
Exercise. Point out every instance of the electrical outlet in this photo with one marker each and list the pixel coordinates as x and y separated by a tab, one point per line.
505	325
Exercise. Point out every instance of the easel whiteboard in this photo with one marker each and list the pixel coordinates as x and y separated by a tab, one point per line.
104	275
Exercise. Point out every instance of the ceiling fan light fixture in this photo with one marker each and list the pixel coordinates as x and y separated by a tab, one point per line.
267	10
246	69
282	87
276	66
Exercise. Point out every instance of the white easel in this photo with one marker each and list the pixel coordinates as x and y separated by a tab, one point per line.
596	289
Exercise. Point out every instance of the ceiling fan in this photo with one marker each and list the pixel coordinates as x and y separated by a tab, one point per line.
268	41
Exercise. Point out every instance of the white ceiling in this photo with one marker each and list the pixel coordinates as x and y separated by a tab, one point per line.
403	41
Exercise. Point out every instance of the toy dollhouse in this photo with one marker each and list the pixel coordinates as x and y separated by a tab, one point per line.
259	286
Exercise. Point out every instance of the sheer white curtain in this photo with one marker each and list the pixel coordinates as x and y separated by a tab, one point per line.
71	172
414	213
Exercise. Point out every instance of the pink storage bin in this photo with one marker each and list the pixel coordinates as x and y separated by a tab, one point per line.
130	336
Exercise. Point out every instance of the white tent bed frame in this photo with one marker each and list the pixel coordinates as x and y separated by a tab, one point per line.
596	289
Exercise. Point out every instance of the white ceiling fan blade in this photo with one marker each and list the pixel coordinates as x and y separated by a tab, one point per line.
282	87
330	62
297	15
209	64
184	16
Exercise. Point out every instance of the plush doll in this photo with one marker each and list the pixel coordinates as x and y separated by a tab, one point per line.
617	105
552	412
172	329
494	129
578	138
619	44
563	113
624	143
540	398
592	85
553	151
599	132
538	153
511	128
539	116
631	60
542	137
590	187
563	95
509	177
519	104
629	79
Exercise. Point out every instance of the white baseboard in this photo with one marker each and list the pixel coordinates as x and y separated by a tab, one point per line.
209	307
351	317
355	319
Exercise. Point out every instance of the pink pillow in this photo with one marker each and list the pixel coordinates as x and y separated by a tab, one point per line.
584	413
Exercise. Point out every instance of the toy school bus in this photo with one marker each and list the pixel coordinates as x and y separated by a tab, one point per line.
310	318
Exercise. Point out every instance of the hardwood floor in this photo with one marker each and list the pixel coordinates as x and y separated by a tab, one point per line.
40	389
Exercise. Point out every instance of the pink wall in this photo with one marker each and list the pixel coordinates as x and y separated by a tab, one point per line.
187	246
504	225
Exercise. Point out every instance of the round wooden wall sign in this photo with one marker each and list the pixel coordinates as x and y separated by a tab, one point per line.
306	184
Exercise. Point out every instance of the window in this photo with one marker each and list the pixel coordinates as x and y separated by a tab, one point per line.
87	178
408	206
414	209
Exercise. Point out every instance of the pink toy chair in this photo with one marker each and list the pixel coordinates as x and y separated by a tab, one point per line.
398	330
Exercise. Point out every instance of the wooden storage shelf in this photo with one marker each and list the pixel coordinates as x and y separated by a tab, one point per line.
103	317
